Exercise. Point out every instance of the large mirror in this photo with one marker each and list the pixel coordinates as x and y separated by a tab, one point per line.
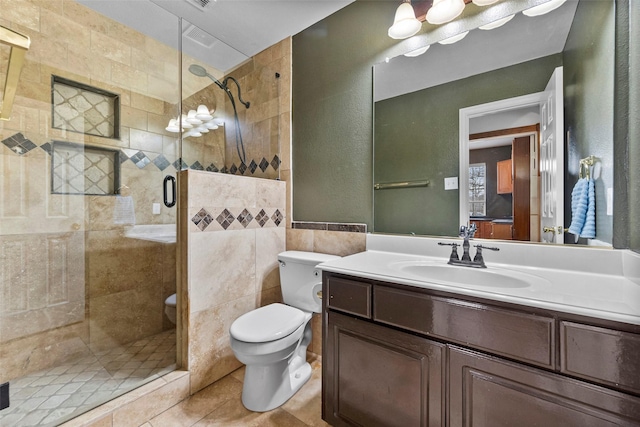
492	129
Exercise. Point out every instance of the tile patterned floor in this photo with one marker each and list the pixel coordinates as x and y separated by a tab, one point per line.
47	397
220	405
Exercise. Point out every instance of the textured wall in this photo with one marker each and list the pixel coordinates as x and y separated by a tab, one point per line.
332	113
417	138
634	130
232	230
589	75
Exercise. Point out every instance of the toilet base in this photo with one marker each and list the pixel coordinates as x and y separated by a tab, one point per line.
267	387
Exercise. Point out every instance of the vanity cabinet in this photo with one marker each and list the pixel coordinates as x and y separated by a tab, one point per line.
397	355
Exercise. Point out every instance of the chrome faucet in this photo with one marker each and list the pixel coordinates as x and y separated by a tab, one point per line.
467	233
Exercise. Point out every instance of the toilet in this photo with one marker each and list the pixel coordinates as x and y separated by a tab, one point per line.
170	308
272	340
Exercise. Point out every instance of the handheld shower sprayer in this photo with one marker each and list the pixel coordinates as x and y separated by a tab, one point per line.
200	71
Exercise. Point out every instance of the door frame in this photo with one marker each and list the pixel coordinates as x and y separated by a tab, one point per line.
468	113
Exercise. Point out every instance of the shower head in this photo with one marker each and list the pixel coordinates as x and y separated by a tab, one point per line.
197	70
200	71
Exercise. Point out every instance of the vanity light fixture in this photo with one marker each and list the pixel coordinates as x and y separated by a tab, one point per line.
195	123
456	38
203	113
417	52
444	11
544	8
405	23
173	126
496	24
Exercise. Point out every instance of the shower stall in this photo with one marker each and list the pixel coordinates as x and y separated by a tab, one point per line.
98	128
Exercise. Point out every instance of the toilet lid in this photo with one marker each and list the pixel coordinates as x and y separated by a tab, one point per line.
267	323
171	300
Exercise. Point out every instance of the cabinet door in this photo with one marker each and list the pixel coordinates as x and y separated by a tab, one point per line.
505	179
377	376
486	391
501	231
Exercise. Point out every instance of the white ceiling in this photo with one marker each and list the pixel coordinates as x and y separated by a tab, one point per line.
241	28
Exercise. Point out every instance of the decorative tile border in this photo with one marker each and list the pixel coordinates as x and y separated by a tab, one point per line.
224	219
21	145
330	226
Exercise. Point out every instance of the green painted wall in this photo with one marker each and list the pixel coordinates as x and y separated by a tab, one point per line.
417	137
589	75
634	128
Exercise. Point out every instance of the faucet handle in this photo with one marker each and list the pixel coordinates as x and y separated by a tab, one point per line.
487	247
454	251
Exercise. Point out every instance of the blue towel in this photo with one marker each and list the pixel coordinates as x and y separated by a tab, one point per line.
583	209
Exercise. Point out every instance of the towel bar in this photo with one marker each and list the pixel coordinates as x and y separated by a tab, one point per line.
404	184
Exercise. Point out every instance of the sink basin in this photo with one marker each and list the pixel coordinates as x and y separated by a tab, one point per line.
466	276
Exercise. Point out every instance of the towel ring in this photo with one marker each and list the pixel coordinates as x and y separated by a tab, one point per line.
585	164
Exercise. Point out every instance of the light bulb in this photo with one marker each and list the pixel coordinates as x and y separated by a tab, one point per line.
185	123
191	118
544	8
483	2
173	126
417	52
405	23
202	113
444	11
497	23
456	38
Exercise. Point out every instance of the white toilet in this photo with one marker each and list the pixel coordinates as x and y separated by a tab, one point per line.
170	308
272	340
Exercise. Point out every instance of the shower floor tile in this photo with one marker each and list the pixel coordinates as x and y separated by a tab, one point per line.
46	397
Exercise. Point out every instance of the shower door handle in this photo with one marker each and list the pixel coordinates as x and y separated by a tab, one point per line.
165	192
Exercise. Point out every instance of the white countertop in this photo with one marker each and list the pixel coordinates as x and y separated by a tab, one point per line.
609	295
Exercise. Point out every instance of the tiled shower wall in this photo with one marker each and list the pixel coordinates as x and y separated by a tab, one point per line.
232	229
62	258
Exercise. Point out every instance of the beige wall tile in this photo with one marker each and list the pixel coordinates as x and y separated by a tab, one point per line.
129	77
270	193
133	118
221	190
22	13
143	140
85	16
222	267
108	47
218	364
269	243
148	104
338	242
299	240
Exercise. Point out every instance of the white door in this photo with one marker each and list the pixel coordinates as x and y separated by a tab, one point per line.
552	161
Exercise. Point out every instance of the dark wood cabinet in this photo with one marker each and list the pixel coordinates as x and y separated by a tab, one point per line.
483	229
396	355
381	377
485	391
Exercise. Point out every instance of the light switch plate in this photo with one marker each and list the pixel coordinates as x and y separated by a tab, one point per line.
451	183
156	208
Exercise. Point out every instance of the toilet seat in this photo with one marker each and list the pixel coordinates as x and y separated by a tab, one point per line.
268	323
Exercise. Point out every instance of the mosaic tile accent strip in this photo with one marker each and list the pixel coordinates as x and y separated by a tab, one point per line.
161	162
225	219
202	219
330	226
19	144
51	396
79	169
85	109
245	218
140	159
277	217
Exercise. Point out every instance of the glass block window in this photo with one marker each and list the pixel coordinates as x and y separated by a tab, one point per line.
477	189
80	169
85	109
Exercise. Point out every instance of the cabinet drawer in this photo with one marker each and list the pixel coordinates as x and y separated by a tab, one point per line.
519	336
349	296
600	354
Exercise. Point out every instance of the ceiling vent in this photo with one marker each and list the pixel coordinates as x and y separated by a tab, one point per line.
201	5
197	35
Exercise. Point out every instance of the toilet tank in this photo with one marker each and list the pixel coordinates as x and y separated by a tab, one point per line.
300	280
